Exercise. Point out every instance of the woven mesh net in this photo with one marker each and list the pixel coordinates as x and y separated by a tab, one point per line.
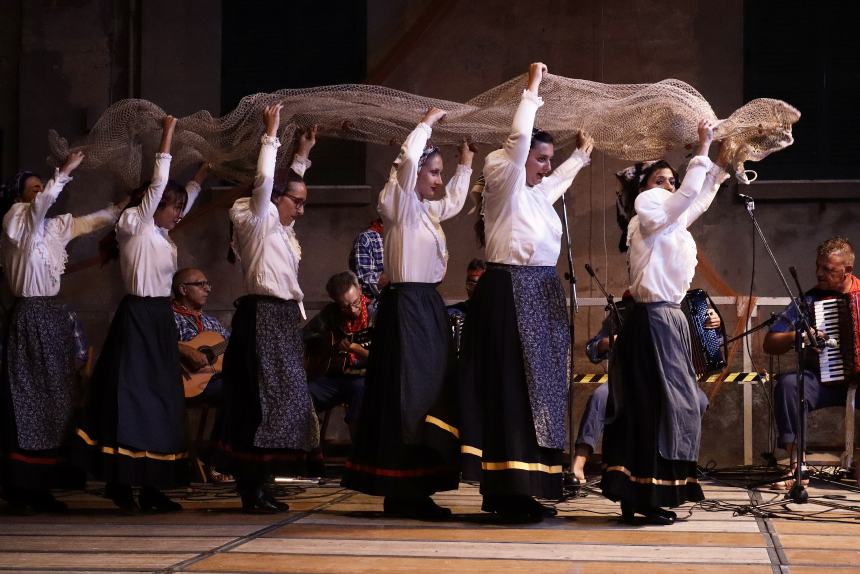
628	121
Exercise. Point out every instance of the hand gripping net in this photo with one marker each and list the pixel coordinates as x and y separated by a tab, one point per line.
628	121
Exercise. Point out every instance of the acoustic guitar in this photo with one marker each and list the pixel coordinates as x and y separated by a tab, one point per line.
213	346
324	357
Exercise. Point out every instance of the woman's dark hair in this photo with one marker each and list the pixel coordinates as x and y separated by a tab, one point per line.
12	190
538	135
632	181
173	194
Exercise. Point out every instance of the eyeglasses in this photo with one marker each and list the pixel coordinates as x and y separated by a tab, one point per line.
353	305
201	284
298	202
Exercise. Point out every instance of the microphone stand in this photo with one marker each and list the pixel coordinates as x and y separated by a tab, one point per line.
617	321
574	308
797	493
766	323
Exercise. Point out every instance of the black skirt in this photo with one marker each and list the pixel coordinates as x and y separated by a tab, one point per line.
132	430
634	469
268	422
499	438
36	395
406	441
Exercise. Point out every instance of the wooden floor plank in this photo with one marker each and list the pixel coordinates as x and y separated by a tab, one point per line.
510	551
821	541
809	527
155	530
665	537
823	557
117	544
71	561
233	562
594	522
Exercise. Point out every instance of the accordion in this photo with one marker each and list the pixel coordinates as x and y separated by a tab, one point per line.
839	318
707	344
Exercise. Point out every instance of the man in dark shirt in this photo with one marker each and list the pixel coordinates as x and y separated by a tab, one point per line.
338	359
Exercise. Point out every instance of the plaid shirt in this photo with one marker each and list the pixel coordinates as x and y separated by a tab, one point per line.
187	327
365	260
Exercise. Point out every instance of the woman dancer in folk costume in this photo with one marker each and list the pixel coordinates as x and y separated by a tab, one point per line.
399	451
39	360
653	418
132	432
269	424
514	383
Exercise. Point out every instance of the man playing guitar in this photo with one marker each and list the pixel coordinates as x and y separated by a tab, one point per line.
337	341
200	360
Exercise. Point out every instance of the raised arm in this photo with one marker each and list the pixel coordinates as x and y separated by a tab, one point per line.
97	220
307	141
404	173
193	187
519	141
269	144
714	178
458	186
161	171
43	201
559	181
655	213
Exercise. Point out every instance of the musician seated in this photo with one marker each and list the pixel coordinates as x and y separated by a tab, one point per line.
591	424
474	271
337	360
191	290
834	265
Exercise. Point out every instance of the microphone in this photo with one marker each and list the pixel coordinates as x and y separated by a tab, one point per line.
831	342
746	198
589	269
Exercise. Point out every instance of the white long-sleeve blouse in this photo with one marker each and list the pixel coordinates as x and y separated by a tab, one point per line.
520	224
415	247
34	246
662	252
269	251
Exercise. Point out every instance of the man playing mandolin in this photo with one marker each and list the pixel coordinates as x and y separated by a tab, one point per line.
337	340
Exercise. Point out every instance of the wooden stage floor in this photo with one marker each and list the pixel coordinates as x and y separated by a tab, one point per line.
329	529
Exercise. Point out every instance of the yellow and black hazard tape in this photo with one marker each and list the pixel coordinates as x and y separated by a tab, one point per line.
730	378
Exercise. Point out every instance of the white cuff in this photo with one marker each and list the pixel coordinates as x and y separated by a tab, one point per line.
700	160
163	156
61	178
583	157
719	174
533	97
426	128
270	140
303	161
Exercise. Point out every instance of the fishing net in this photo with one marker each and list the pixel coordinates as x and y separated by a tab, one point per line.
628	121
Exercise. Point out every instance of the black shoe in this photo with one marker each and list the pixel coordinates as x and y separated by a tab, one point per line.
44	501
153	500
668	514
255	503
122	496
420	507
652	515
515	509
272	501
537	508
